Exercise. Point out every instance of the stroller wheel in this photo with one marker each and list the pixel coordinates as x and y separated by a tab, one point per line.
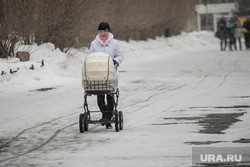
121	120
85	123
81	123
117	122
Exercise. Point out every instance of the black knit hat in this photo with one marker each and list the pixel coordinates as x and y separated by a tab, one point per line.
103	26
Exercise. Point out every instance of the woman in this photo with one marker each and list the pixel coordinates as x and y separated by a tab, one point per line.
222	33
236	30
105	42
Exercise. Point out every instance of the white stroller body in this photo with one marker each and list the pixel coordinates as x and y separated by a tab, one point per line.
99	74
99	77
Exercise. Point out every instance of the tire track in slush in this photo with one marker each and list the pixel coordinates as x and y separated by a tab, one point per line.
45	142
161	88
41	145
30	128
152	95
220	62
223	80
235	65
200	82
48	140
158	113
153	114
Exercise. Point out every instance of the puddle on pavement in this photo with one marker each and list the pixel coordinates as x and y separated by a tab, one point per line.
43	89
242	140
230	164
202	142
240	97
210	123
184	120
223	107
215	123
237	107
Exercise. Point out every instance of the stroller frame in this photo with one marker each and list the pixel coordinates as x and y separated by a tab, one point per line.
85	118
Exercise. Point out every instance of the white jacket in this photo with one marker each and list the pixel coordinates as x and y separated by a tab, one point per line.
237	30
110	47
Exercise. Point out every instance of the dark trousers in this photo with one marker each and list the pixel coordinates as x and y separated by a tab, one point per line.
223	45
232	41
106	109
239	41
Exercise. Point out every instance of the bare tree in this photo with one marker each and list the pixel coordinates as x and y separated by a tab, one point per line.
15	25
73	23
57	22
39	21
8	35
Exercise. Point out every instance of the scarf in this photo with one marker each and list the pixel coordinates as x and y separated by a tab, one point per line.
104	39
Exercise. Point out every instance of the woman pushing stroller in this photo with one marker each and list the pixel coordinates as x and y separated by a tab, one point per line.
105	42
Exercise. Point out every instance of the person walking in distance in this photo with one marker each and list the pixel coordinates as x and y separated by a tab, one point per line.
246	31
222	33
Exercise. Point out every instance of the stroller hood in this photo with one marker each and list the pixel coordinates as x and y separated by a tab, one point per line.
98	68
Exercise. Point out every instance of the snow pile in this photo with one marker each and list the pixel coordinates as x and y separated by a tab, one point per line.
60	67
57	65
186	41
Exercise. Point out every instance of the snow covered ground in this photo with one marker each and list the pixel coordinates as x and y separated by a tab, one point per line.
176	93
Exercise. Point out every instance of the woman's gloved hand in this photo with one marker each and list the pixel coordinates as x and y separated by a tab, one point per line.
116	63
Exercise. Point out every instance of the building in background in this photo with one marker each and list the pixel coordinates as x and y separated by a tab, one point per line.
210	11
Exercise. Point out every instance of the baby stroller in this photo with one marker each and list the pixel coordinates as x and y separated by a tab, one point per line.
99	77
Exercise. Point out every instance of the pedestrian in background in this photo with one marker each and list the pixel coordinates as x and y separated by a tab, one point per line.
246	31
236	28
222	33
230	33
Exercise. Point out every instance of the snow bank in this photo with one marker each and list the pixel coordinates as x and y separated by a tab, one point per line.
60	67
